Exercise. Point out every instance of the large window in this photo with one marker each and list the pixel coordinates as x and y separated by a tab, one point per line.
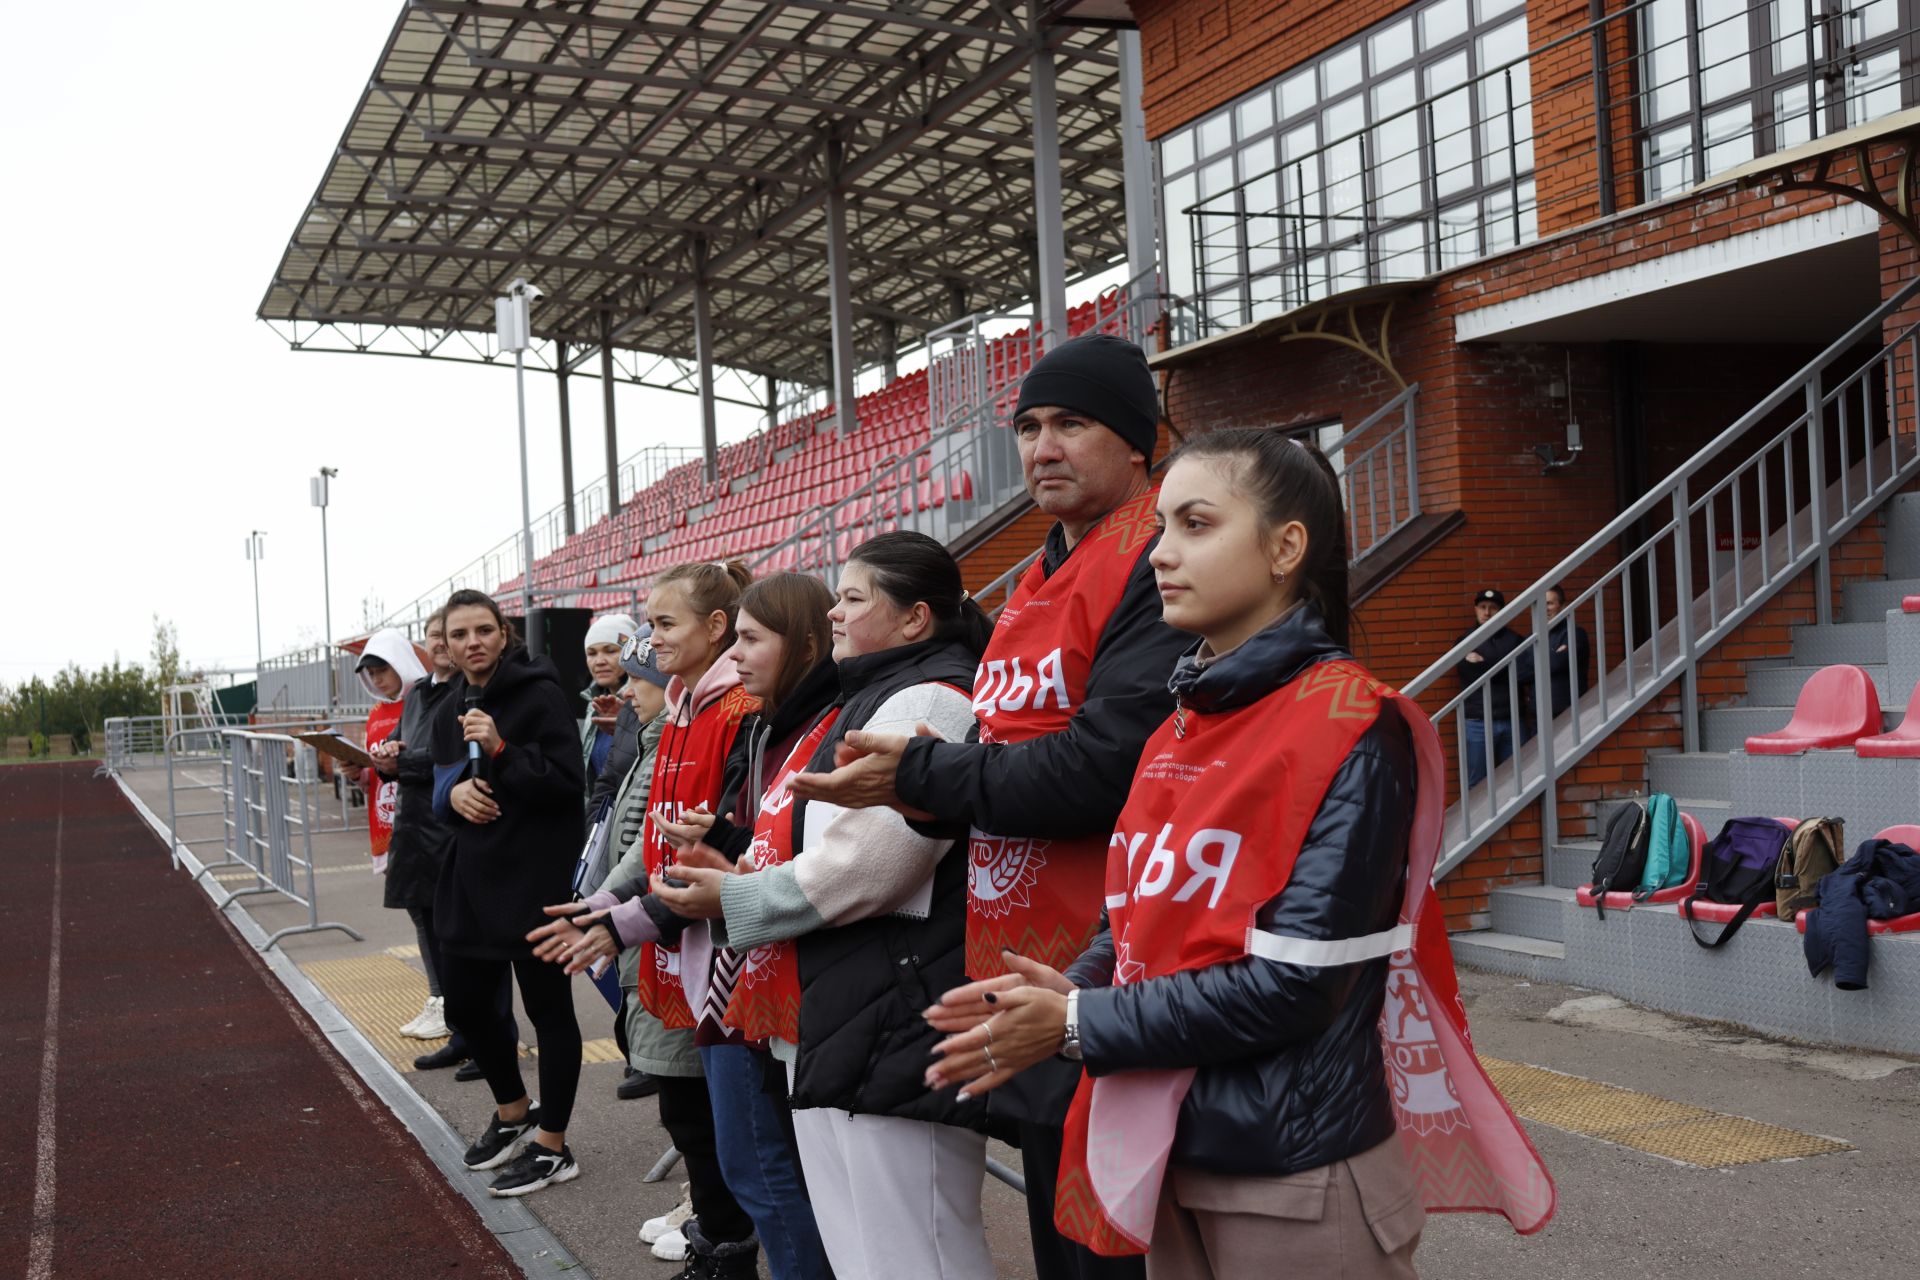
1403	151
1724	81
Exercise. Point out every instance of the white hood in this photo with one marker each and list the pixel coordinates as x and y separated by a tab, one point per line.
394	649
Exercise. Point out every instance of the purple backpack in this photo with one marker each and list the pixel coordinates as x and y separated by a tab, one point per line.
1737	867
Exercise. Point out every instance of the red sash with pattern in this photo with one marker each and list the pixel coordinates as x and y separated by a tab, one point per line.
1037	897
689	770
383	793
766	1002
1219	808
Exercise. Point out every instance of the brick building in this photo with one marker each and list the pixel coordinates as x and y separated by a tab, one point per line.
1519	226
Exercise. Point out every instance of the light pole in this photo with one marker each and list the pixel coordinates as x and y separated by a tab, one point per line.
256	550
317	488
513	327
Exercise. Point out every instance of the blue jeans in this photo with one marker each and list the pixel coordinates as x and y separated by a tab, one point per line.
1477	747
754	1135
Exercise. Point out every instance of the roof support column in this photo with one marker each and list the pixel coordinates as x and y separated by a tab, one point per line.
566	437
890	334
773	402
1049	227
606	409
846	410
1136	162
703	355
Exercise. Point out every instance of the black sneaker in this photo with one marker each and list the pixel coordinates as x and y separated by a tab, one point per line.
638	1084
496	1145
469	1072
452	1054
737	1260
535	1167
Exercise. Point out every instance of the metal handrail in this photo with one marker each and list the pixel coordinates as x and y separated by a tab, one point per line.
1394	502
1649	613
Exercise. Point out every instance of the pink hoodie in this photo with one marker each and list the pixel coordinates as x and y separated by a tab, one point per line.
629	920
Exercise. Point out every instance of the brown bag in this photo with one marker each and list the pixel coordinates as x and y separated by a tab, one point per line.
1816	847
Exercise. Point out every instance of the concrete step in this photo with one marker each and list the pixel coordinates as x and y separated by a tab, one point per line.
1530	910
1570	863
1903	535
1779	686
1728	728
1529	958
1869	601
1856	643
1701	775
1710	812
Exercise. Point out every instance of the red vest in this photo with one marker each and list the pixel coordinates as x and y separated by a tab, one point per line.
689	769
1213	825
1041	898
766	1002
382	793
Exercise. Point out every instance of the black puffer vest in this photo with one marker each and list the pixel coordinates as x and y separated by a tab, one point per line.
864	1047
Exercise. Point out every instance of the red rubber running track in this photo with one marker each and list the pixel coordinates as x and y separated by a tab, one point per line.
178	1115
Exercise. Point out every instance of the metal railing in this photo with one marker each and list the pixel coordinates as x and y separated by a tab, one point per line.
1638	106
1669	578
1380	482
269	808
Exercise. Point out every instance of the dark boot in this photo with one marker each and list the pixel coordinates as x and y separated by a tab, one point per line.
638	1084
706	1260
451	1054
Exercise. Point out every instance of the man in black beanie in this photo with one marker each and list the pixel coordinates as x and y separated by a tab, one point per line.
1072	685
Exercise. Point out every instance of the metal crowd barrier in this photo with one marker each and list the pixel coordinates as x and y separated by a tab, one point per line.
268	811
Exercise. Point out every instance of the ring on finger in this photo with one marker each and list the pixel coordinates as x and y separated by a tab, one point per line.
988	1026
991	1064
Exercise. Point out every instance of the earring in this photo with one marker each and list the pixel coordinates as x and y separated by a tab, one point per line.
1279	577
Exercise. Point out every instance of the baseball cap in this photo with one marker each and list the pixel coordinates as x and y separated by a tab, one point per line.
1490	595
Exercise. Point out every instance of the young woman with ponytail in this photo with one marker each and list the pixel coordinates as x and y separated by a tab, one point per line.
1228	1015
692	608
852	920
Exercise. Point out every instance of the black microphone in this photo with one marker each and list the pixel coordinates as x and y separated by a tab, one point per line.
473	747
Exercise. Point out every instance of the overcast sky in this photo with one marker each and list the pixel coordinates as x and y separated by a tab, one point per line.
157	158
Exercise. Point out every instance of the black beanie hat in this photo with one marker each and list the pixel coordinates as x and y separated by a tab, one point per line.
1104	377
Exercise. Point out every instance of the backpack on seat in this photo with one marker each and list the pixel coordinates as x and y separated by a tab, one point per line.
1669	848
1622	859
1816	847
1737	867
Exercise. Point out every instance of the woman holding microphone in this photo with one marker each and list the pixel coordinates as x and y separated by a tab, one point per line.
507	774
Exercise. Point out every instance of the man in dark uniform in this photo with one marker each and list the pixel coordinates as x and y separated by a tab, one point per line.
1490	713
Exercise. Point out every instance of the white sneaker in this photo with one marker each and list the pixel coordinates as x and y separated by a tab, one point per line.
409	1028
668	1223
432	1022
671	1247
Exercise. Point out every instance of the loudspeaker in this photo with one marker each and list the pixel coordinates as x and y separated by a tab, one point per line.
561	636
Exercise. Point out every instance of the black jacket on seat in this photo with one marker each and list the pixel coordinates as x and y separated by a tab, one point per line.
1290	1069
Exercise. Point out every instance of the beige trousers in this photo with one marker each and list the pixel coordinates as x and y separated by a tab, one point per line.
1357	1219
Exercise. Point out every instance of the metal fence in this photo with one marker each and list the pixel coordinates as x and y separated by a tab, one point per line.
268	795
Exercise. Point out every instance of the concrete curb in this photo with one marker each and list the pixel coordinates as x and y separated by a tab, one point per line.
534	1248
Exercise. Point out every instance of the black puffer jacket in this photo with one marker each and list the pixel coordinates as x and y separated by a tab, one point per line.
501	873
620	757
420	836
1290	1070
864	1047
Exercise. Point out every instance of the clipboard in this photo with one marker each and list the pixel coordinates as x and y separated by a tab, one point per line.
338	747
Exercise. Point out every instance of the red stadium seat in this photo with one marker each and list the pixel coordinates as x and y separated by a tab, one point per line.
1901	744
1622	900
1910	604
1839	706
1905	834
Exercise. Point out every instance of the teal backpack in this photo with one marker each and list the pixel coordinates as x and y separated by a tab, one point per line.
1669	849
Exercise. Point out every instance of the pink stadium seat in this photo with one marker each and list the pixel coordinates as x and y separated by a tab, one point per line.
1839	706
1622	900
1901	744
1905	834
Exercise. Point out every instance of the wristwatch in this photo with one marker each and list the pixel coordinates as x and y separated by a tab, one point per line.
1070	1046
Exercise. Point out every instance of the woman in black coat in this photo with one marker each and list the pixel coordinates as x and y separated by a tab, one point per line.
508	775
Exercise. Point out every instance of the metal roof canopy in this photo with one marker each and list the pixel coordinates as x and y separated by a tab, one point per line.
602	148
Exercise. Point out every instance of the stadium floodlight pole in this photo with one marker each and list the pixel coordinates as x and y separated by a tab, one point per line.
513	326
317	490
256	550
